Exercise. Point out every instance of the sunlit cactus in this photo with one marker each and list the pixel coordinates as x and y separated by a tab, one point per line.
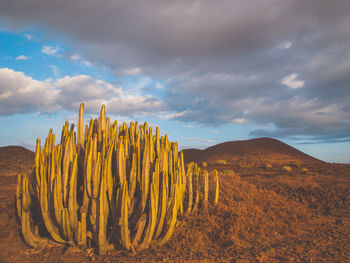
109	188
216	178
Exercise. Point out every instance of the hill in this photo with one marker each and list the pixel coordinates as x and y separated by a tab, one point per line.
15	154
13	159
261	149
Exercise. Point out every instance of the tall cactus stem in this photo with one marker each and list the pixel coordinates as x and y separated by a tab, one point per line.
123	222
216	178
80	132
206	188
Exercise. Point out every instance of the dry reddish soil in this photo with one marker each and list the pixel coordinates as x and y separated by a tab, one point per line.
264	215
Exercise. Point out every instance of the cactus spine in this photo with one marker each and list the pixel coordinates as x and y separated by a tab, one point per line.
104	185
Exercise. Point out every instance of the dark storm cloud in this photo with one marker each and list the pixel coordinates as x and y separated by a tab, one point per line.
275	61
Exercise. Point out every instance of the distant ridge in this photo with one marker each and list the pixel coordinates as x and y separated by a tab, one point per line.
266	149
14	152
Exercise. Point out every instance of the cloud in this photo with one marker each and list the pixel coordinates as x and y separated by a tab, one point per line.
176	115
197	139
195	142
129	105
240	120
22	94
52	51
285	45
308	118
159	86
131	71
95	92
292	82
22	57
217	60
78	58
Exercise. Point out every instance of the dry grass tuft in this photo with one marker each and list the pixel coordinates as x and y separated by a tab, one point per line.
287	169
228	172
268	166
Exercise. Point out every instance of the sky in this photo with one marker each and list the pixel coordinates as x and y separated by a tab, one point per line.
204	71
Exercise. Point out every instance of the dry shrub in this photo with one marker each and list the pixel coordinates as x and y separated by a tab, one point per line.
221	162
304	170
297	164
228	172
243	165
268	166
287	169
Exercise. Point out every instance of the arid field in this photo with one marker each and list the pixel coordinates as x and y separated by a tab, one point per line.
276	204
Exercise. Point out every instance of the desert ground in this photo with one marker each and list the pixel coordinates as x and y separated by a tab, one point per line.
266	213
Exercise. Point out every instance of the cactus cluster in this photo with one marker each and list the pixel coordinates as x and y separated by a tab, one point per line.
109	189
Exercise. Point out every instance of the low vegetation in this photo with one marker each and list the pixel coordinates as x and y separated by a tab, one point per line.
228	171
304	170
243	165
268	166
287	169
221	162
